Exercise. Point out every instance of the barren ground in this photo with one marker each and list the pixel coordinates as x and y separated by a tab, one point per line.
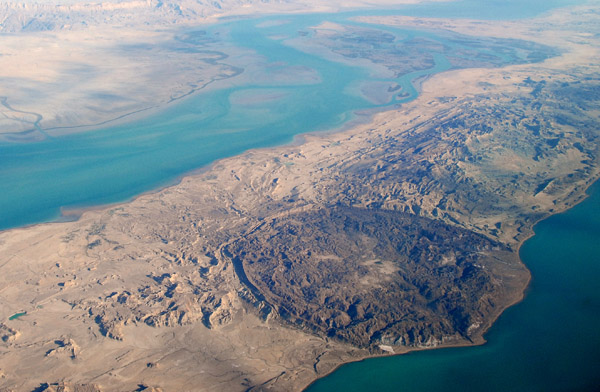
212	284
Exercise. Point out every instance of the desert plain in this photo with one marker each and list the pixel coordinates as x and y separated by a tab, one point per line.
267	270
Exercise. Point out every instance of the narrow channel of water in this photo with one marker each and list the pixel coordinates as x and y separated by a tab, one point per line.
548	342
285	91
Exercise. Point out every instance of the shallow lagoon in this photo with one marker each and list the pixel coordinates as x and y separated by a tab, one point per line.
548	342
291	85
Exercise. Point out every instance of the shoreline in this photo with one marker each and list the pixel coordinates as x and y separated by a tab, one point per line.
362	117
370	128
300	140
481	336
74	214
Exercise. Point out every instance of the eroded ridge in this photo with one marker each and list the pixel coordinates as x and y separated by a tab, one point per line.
373	277
395	235
398	235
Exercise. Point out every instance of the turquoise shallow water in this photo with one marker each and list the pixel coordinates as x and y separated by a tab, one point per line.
311	93
548	342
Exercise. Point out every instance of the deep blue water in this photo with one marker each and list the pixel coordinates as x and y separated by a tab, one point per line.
548	342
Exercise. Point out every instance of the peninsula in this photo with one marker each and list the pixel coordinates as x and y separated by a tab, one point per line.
267	270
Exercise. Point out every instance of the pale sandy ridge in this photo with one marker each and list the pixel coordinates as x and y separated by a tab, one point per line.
64	274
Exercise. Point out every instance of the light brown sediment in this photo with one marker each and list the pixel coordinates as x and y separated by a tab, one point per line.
145	292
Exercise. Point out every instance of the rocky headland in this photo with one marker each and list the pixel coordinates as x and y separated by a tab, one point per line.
268	270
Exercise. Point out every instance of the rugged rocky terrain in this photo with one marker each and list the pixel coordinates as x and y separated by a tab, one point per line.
372	277
269	269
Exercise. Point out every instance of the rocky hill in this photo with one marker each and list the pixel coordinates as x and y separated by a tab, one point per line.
269	269
371	277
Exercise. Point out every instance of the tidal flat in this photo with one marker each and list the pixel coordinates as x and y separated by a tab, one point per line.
193	285
323	77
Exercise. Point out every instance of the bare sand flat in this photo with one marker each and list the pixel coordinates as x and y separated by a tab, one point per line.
73	66
151	293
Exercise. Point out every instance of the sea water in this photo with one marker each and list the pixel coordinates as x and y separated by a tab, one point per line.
289	92
548	342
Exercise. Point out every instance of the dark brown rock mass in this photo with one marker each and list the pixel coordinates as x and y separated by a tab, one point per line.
372	277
